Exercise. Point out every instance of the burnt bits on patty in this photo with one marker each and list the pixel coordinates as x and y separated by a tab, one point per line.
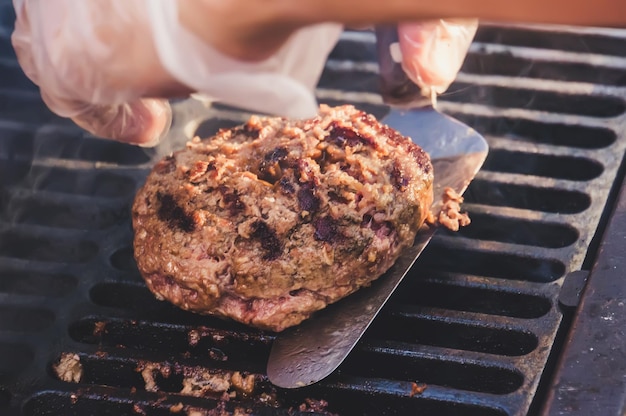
271	221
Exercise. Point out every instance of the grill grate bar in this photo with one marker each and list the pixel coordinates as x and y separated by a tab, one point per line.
561	57
527	114
431	400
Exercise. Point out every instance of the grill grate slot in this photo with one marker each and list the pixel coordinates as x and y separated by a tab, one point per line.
123	260
516	231
212	343
491	264
574	39
559	167
505	97
400	361
70	404
572	136
527	197
397	395
505	64
411	325
444	295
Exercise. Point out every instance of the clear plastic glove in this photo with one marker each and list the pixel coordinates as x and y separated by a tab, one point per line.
97	62
433	51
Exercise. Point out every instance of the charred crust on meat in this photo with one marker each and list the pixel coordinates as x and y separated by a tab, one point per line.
336	197
198	169
270	168
248	131
326	229
278	154
307	200
400	180
346	136
286	186
268	239
231	200
421	157
174	215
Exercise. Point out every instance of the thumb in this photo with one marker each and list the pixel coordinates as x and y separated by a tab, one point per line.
142	122
433	51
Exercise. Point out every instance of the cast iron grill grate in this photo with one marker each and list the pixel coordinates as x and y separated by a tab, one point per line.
474	322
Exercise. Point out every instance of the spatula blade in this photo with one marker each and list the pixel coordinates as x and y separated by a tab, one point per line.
311	351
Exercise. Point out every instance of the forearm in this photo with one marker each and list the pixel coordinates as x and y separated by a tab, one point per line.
354	12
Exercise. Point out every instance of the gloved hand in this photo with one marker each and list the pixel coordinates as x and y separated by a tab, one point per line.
434	50
99	62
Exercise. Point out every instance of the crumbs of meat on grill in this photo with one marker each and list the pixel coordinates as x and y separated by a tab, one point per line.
69	368
271	221
450	215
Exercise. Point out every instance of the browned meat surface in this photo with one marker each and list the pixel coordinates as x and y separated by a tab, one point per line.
270	221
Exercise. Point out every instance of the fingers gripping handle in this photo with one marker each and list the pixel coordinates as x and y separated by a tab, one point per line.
396	87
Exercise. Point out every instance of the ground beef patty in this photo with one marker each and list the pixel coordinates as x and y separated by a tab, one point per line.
270	221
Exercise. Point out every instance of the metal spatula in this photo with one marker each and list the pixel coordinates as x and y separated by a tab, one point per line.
309	352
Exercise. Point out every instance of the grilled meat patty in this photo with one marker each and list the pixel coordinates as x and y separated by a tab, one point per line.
271	221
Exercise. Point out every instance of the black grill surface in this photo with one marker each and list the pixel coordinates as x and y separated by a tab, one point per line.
469	332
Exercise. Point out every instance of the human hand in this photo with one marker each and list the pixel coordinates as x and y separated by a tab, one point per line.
109	65
434	50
